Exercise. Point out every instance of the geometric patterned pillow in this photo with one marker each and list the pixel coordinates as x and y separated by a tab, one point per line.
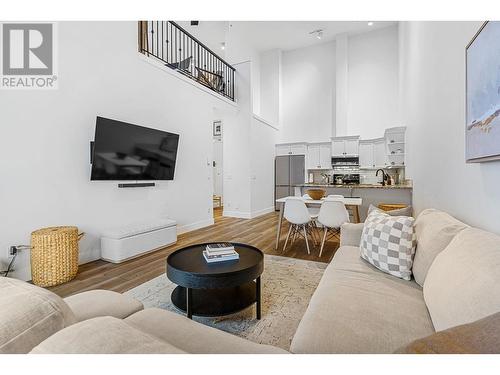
388	243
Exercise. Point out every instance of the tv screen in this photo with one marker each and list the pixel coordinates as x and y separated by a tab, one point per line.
125	151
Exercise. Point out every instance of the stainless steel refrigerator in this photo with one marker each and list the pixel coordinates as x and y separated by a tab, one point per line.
289	171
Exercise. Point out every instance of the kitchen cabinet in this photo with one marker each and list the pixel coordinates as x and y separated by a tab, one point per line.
345	146
319	156
291	149
325	156
379	153
372	153
395	146
366	159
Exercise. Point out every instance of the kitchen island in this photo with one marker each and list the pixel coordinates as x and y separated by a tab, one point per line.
370	194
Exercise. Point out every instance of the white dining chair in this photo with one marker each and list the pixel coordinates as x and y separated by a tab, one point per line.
297	214
313	211
332	215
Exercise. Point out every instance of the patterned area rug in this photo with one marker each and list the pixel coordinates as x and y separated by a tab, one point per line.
287	287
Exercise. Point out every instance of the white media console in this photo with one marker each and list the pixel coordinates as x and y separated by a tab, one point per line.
121	244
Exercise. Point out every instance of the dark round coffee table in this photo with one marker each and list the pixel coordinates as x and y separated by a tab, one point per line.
215	289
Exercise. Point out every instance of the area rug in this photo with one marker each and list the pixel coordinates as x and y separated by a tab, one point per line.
287	287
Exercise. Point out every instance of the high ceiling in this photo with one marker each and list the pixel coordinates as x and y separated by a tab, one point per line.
288	35
285	35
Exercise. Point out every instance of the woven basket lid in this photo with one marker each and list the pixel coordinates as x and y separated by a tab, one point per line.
55	231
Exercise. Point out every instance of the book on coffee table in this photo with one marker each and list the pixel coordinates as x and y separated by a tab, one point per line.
213	258
220	248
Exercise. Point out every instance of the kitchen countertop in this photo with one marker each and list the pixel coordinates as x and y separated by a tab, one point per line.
357	186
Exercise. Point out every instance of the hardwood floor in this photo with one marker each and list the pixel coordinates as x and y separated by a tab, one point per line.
259	232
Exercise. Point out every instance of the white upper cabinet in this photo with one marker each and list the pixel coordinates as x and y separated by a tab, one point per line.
298	149
372	153
345	146
319	156
395	146
366	159
325	156
313	157
379	153
291	149
282	150
352	147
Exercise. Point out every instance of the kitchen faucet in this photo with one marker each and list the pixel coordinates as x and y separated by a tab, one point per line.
385	176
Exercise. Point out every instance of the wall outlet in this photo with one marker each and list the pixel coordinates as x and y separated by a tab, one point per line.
13	251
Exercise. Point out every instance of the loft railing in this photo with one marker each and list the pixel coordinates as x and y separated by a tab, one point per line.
179	50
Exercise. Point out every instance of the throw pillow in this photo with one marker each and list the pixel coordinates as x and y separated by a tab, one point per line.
407	211
388	243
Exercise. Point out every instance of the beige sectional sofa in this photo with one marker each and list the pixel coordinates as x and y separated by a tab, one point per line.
359	309
36	320
355	309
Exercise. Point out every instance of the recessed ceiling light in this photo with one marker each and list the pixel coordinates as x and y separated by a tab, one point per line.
370	23
223	46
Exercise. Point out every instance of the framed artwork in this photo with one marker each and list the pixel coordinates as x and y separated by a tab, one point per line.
217	128
482	129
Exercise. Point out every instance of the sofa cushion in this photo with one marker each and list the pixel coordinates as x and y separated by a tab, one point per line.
434	230
104	335
462	282
359	309
95	303
388	243
479	337
28	315
193	337
405	211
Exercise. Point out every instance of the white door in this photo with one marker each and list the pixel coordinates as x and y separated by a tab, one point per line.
351	147
338	147
313	160
380	154
325	156
282	150
217	167
366	155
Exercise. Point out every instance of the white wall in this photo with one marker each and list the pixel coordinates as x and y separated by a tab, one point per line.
263	140
248	155
270	86
236	149
433	103
308	93
373	82
45	153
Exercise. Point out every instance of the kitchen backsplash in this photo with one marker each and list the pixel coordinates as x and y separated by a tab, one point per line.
366	176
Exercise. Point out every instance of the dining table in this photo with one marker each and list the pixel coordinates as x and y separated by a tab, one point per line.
352	203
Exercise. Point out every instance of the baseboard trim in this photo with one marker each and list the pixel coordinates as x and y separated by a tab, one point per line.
193	226
262	212
237	214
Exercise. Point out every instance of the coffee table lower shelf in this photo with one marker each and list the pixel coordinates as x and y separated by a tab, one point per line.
217	302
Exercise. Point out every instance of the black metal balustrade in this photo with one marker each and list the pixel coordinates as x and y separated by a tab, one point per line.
179	50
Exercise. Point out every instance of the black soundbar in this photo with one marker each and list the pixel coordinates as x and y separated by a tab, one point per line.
138	184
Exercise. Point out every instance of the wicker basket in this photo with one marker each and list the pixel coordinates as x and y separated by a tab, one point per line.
54	255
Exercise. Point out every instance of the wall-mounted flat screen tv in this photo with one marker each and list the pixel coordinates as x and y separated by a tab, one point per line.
125	151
